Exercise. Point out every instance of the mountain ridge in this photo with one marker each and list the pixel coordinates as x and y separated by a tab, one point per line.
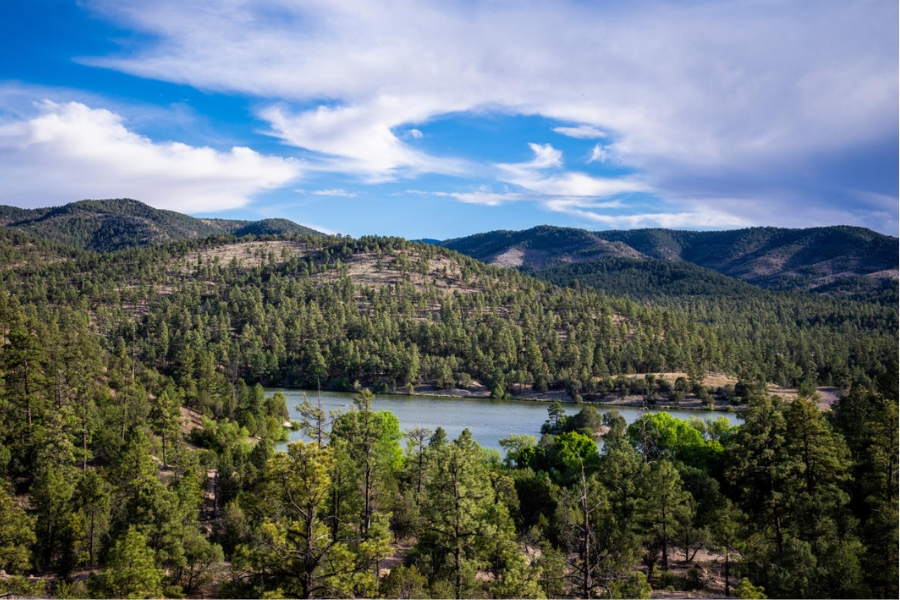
812	259
115	224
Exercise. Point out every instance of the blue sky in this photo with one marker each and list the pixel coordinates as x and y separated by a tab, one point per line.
441	119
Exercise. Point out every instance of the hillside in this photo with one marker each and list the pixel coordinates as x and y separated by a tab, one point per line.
834	260
134	422
298	311
645	279
109	225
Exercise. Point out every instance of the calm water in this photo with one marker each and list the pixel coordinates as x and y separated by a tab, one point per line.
488	420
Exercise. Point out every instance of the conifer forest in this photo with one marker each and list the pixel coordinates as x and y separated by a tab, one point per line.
138	429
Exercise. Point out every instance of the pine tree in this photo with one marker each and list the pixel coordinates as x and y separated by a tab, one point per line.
131	570
459	498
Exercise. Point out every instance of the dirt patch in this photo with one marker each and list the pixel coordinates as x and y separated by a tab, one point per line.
190	420
514	257
886	274
828	397
372	270
711	570
246	255
399	550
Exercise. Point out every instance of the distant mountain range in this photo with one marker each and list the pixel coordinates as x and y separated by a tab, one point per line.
840	261
108	225
837	260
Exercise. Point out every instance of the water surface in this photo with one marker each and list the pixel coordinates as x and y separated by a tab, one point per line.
488	420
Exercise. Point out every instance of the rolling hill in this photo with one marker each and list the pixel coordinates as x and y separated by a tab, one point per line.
109	225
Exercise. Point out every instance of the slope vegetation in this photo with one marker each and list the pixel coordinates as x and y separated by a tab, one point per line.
109	225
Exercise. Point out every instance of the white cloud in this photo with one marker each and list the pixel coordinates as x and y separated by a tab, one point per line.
582	132
599	154
673	220
545	157
484	197
415	133
543	180
357	140
693	93
70	151
335	192
544	175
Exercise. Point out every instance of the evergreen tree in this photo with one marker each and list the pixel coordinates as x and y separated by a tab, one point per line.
131	570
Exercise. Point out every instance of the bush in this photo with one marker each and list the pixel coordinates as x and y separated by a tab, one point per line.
745	589
666	579
694	580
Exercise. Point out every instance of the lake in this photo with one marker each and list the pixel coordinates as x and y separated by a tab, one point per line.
488	420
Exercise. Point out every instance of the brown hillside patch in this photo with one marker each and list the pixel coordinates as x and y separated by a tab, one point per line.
885	274
190	420
514	257
247	255
363	268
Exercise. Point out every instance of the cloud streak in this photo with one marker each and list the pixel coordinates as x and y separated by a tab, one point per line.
70	151
582	132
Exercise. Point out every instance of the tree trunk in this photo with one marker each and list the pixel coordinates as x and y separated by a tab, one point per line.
665	541
727	582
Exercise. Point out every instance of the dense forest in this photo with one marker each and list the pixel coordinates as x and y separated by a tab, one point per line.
107	492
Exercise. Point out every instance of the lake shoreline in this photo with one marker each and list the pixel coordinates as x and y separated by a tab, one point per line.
479	392
630	401
487	419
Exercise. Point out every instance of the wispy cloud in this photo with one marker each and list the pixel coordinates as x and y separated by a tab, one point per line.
545	157
671	220
70	151
335	192
544	175
599	154
544	180
358	140
582	132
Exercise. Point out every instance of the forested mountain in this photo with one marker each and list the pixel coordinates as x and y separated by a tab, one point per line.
671	283
108	225
825	259
104	355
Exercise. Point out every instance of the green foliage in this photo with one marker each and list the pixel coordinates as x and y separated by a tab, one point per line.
16	535
745	589
23	587
404	582
131	571
659	435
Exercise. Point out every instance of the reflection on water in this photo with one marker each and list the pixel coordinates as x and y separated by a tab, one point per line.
488	420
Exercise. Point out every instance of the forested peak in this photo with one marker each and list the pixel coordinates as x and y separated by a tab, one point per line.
109	225
538	246
11	214
280	227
